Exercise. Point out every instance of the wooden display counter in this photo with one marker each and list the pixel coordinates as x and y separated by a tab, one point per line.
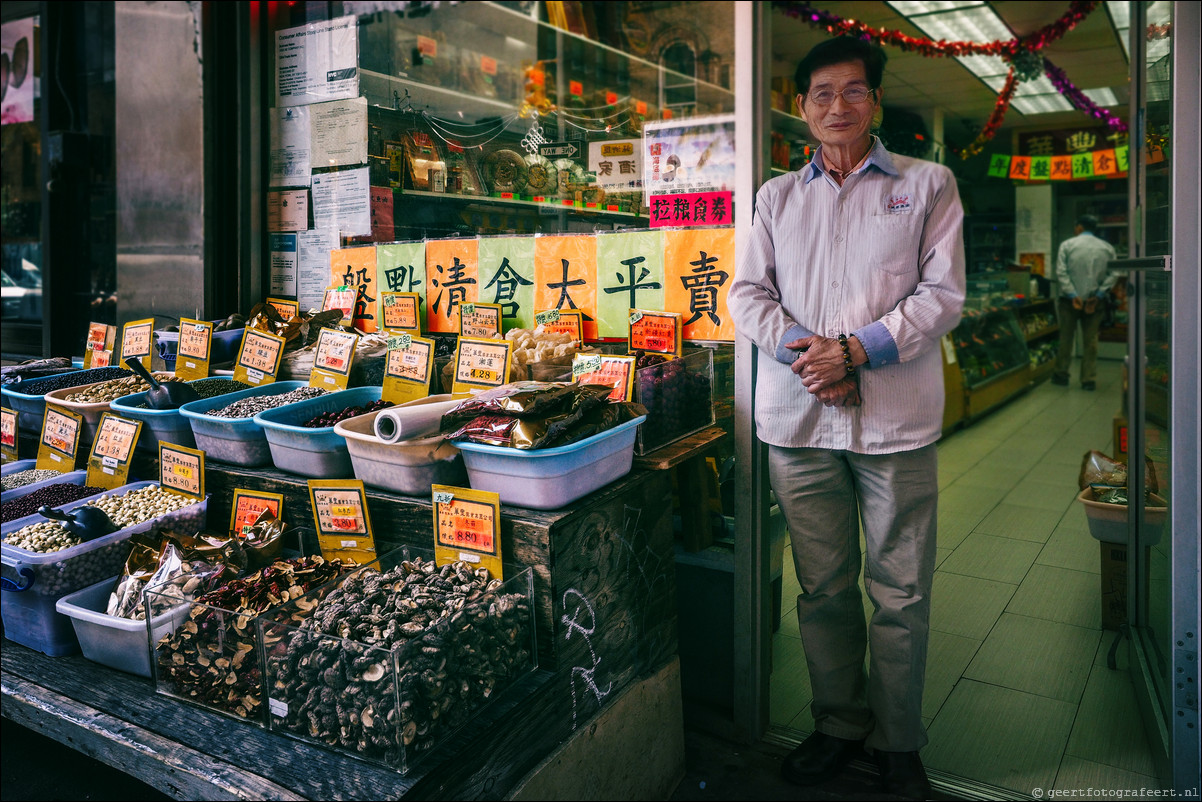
606	629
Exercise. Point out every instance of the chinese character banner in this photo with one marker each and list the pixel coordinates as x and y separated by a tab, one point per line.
1106	163
604	275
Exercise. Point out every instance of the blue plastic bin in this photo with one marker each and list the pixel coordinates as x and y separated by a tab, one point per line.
240	441
317	453
30	407
548	478
168	425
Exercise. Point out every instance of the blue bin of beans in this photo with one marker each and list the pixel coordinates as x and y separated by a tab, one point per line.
169	425
28	398
240	440
315	452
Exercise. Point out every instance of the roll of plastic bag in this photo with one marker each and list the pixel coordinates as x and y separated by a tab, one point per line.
409	422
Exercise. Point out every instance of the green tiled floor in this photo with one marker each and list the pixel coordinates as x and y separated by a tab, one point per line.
1018	694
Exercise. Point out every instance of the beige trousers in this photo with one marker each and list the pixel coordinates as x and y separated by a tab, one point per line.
824	496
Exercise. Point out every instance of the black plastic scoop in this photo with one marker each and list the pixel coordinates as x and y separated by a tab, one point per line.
171	395
86	523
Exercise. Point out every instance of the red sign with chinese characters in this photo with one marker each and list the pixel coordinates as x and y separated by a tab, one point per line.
692	209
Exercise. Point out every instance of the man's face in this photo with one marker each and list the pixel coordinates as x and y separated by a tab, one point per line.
840	124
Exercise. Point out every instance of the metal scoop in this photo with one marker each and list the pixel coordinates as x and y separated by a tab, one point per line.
86	522
171	395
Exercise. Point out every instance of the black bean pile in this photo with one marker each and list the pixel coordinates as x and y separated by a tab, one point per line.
51	495
90	376
330	418
253	405
210	388
22	478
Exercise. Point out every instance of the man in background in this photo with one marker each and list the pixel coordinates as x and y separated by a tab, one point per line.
1085	281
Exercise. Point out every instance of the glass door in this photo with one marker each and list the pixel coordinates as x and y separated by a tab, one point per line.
1163	533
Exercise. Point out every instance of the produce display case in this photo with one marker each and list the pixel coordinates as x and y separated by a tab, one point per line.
33	582
548	478
993	357
452	652
240	441
315	452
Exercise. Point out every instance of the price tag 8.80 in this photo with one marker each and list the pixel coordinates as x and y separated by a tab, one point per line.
182	470
467	526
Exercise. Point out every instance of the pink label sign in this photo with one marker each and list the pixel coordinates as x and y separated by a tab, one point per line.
692	209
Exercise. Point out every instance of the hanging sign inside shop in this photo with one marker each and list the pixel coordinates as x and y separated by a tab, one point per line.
482	321
248	505
657	332
60	439
136	340
467	527
1105	163
108	464
408	370
614	371
480	364
332	359
402	311
8	434
340	516
259	358
194	351
692	209
100	338
343	299
182	470
555	321
287	309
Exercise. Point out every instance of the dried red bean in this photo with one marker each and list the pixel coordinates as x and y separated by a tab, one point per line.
51	495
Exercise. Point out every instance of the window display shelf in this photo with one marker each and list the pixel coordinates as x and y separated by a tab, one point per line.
551	205
384	91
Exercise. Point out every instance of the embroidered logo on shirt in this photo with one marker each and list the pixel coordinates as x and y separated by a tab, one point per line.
899	204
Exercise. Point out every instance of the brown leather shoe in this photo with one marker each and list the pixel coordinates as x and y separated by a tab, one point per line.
902	774
819	758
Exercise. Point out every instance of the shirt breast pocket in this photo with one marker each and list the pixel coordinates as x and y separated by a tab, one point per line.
894	241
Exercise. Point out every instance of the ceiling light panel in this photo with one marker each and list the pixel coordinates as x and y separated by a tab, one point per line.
909	9
1103	97
1041	104
984	66
974	24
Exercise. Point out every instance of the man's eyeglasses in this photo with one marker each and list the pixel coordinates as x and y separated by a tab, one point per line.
851	95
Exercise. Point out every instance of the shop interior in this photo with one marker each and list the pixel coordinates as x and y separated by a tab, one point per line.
1027	682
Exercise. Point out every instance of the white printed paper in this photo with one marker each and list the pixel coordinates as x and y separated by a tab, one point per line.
339	132
317	61
289	132
617	163
283	264
288	210
313	266
342	202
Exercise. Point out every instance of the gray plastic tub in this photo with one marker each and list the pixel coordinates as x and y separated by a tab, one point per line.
319	453
240	441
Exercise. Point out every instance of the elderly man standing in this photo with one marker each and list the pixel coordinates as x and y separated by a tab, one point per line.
853	272
1085	281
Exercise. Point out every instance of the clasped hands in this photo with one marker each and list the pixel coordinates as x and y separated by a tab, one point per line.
823	373
1088	305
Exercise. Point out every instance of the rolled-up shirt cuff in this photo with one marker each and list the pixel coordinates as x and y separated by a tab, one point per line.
878	344
796	332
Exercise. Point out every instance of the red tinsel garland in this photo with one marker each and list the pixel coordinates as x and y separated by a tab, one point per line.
836	25
995	120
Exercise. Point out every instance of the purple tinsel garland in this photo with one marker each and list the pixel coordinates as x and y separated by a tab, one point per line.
1078	99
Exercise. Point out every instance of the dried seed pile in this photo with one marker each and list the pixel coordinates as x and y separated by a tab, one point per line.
249	407
89	376
211	388
454	634
50	495
113	389
22	478
330	418
142	504
210	659
43	537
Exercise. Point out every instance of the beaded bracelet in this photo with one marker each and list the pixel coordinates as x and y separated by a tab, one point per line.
851	369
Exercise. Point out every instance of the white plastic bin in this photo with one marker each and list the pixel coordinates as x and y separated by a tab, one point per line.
408	466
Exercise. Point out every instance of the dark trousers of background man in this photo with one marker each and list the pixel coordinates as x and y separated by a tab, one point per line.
1090	325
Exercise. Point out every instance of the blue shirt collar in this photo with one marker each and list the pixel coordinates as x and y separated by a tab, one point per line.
878	157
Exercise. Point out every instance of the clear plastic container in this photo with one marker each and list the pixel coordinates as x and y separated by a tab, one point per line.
548	478
110	640
408	466
318	452
70	478
679	397
240	441
409	699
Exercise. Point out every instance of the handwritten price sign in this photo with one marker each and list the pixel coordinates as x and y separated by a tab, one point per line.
182	470
108	464
343	299
340	515
135	340
480	320
408	369
60	439
655	331
332	360
467	526
193	352
259	359
614	371
480	363
8	428
401	311
249	505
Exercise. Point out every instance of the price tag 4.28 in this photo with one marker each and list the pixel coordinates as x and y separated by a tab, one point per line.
60	439
480	364
108	464
467	526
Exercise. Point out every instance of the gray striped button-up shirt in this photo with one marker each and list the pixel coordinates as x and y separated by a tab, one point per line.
881	257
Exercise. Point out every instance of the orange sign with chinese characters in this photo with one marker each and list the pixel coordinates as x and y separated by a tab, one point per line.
248	505
356	268
658	332
341	518
565	276
452	270
699	267
615	371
